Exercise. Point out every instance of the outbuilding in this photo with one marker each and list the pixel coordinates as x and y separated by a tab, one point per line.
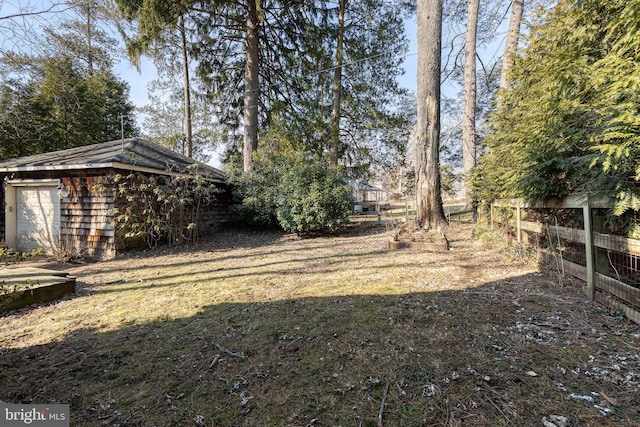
70	195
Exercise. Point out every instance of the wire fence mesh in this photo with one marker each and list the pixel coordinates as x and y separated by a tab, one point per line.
561	234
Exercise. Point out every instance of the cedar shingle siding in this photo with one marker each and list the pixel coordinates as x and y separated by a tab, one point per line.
86	216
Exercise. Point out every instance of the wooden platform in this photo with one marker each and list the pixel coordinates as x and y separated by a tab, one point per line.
23	286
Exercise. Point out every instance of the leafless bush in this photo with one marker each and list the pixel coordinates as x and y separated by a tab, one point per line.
66	249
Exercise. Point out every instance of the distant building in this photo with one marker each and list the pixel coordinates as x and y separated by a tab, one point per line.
366	196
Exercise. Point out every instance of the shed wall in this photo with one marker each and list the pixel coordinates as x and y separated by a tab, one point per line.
86	215
218	212
87	211
3	233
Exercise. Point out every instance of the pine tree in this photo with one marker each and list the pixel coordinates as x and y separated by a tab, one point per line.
429	211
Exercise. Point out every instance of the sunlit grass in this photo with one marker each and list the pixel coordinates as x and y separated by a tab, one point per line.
324	325
176	286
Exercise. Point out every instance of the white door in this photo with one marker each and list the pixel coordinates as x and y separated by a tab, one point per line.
38	217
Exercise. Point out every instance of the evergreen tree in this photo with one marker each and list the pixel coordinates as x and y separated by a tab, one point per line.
64	94
242	51
55	104
570	122
511	43
274	62
350	109
23	119
163	120
84	36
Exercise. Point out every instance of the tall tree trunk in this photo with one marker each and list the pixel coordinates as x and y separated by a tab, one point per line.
252	90
187	91
89	10
429	212
469	111
511	44
337	87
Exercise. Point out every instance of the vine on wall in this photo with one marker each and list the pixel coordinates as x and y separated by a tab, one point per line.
161	208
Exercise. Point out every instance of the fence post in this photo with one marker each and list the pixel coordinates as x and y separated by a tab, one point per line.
518	225
491	214
588	246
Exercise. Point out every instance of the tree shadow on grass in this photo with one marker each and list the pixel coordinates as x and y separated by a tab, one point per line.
251	238
432	358
263	245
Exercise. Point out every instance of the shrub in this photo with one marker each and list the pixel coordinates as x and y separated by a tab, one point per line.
161	208
9	255
312	198
487	235
256	195
289	189
66	250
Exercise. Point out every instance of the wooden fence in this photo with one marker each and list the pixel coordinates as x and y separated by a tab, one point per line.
601	257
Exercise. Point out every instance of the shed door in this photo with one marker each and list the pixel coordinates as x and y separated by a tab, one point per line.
38	217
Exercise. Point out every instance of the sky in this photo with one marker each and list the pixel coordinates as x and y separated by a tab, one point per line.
138	80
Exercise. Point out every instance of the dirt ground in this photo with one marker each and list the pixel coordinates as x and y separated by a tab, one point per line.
253	328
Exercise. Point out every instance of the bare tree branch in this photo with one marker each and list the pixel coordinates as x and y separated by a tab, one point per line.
24	14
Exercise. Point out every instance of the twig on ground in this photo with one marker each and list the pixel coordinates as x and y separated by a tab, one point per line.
500	410
611	400
494	295
384	397
214	361
229	352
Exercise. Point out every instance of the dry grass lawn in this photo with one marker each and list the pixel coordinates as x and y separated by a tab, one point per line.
267	329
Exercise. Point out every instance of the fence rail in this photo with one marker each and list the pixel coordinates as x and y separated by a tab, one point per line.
621	292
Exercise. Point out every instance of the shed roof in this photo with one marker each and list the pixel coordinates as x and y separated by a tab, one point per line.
130	154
